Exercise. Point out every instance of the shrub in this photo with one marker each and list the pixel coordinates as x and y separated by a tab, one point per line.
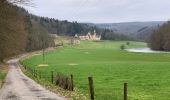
122	47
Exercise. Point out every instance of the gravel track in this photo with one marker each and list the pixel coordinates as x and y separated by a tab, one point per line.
18	86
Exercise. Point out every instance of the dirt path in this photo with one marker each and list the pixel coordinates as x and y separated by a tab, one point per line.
19	87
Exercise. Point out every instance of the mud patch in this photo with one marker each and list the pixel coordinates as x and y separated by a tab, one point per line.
12	96
43	65
24	79
73	64
48	99
35	90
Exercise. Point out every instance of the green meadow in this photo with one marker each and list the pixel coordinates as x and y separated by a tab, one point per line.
147	74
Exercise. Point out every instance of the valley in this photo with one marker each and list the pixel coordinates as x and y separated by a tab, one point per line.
146	73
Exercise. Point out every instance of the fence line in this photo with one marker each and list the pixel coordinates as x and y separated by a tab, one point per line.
67	82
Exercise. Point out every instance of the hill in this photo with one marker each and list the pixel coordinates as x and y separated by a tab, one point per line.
137	30
66	28
18	33
129	27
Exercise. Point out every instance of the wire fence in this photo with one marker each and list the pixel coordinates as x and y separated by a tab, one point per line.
67	82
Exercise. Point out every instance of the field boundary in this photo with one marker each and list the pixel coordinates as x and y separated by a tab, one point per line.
67	83
38	77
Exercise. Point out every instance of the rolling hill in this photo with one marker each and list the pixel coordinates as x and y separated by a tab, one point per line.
137	30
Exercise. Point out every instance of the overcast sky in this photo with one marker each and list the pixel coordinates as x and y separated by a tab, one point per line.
103	11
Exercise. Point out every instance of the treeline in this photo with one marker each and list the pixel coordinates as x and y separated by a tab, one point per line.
160	39
18	33
55	26
111	35
58	27
65	27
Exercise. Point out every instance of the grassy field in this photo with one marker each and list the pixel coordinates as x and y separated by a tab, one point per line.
147	74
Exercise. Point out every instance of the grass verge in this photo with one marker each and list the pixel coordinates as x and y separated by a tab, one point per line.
72	95
3	73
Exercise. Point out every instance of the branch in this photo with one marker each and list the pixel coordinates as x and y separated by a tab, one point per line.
21	2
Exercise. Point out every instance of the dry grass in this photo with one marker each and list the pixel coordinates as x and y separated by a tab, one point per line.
3	68
63	40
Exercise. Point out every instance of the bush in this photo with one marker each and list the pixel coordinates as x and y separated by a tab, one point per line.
63	81
122	47
127	43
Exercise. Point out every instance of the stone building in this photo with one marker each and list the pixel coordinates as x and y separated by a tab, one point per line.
89	36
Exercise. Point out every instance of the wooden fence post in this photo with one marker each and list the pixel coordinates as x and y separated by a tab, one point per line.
57	78
52	77
125	91
91	87
72	83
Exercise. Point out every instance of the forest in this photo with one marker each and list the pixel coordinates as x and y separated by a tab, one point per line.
55	26
160	39
19	34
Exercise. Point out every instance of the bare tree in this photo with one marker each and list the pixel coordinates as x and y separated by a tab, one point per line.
16	2
13	36
2	2
22	2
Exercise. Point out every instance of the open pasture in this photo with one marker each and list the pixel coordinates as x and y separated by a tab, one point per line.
147	74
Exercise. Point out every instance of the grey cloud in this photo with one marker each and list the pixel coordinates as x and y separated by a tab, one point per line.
103	10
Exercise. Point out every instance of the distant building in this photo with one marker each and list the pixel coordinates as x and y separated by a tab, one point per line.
89	36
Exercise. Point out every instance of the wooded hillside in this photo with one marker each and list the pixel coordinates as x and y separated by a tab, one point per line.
18	33
67	28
